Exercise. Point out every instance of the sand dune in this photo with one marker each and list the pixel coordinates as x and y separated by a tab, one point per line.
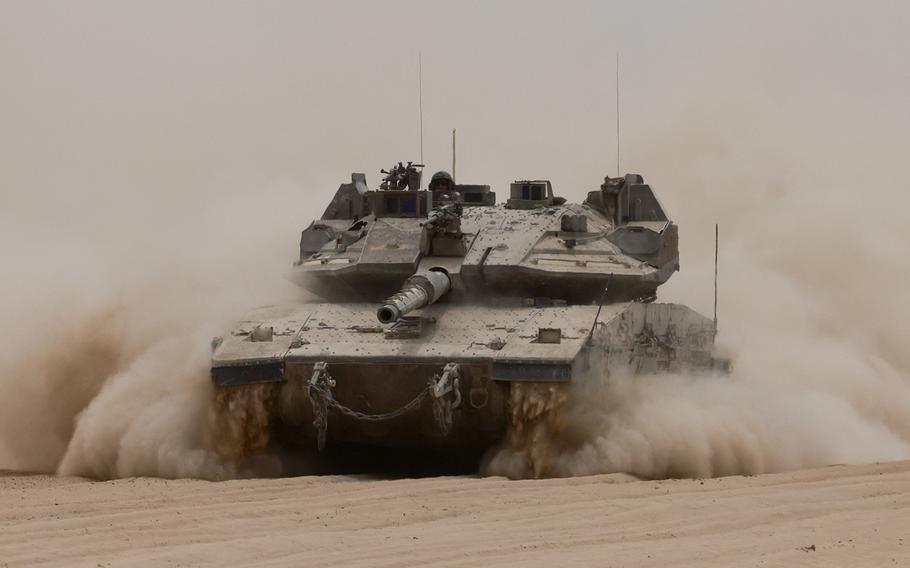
851	515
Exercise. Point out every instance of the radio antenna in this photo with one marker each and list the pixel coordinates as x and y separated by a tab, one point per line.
453	155
716	239
618	171
420	99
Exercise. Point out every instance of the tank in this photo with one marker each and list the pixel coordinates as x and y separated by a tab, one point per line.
440	310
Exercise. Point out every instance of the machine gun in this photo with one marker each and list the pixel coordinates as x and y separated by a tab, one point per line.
420	290
401	177
445	217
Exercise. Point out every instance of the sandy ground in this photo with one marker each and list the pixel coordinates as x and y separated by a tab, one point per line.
851	515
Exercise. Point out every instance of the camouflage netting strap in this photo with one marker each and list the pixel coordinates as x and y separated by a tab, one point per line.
320	386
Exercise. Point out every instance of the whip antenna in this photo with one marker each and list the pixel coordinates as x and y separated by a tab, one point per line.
600	306
618	171
420	99
716	238
453	155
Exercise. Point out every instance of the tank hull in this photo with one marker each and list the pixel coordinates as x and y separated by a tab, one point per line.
264	381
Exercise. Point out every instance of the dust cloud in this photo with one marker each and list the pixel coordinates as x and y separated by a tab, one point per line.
813	321
807	188
105	371
818	375
143	209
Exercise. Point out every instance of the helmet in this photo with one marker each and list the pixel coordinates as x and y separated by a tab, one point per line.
442	175
441	181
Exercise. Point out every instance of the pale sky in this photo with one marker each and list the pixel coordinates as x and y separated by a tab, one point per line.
171	107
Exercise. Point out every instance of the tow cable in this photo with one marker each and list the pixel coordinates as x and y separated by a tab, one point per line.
438	389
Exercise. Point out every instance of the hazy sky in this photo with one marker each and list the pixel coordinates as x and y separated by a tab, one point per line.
178	107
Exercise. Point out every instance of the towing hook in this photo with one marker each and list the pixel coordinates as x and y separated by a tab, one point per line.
440	386
448	382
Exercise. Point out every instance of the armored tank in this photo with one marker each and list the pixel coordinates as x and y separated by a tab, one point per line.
439	309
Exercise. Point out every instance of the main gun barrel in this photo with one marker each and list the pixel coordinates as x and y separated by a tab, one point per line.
420	290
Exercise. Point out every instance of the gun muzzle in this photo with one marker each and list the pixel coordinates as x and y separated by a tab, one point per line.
420	290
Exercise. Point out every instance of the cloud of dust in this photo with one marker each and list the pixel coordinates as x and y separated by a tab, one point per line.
819	377
105	372
139	215
806	186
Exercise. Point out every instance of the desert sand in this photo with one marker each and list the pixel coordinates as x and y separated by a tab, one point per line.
834	516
